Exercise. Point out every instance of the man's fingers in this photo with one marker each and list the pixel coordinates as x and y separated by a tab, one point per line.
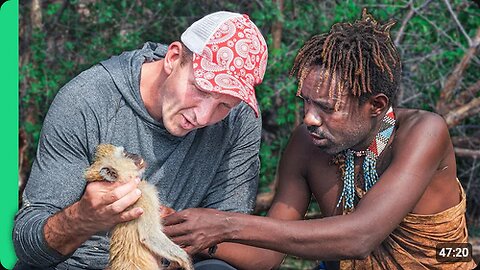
131	214
122	203
175	230
119	192
174	218
182	240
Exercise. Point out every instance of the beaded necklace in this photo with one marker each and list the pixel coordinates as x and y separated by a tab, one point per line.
370	175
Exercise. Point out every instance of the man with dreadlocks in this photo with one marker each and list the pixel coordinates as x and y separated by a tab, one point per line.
385	179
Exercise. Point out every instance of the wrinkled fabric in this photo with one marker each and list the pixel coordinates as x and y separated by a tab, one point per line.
412	245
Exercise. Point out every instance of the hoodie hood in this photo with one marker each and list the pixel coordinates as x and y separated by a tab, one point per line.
125	71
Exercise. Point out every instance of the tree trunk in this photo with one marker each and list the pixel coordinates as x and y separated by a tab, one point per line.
278	26
36	15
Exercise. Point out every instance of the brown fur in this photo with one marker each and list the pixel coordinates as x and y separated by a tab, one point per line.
140	243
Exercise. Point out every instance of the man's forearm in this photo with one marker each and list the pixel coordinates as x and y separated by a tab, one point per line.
327	238
64	231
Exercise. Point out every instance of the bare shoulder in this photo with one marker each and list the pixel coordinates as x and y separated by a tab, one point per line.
423	151
418	123
418	129
420	118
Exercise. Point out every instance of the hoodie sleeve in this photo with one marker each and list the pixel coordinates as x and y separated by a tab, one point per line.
56	180
236	181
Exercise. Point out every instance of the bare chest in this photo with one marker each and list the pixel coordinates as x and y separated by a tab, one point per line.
326	182
326	185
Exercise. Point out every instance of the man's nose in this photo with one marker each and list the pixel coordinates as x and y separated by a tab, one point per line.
312	118
205	112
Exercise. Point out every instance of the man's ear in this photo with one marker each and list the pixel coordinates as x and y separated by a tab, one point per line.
172	58
379	104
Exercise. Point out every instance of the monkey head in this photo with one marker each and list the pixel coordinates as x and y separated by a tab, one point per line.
113	163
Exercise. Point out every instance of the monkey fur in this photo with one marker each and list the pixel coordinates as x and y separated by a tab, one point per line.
138	244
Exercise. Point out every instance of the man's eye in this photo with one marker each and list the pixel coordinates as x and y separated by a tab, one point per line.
201	92
325	108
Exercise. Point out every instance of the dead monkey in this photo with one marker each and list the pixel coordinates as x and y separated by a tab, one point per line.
140	243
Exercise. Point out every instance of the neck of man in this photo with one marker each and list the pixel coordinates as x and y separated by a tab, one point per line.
376	124
152	77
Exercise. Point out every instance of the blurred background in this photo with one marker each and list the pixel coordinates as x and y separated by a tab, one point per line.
438	41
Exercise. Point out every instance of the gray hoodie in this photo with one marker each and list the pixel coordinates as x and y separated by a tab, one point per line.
215	167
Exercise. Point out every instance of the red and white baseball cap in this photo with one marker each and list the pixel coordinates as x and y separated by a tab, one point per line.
229	55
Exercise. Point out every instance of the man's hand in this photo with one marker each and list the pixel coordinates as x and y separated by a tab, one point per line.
197	229
102	206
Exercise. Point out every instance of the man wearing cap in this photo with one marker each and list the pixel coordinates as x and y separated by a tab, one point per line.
179	107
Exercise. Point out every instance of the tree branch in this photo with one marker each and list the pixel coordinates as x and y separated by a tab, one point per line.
454	117
407	18
443	33
449	7
466	141
462	152
454	78
468	94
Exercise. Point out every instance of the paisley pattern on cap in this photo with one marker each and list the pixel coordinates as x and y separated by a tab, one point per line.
233	61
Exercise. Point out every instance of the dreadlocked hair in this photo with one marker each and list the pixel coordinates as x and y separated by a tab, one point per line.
361	56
